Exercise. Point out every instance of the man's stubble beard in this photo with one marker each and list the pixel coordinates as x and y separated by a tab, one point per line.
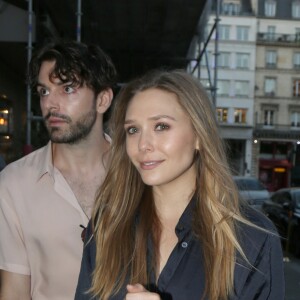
77	131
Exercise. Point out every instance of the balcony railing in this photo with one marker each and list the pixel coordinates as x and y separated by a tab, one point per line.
278	38
277	131
277	126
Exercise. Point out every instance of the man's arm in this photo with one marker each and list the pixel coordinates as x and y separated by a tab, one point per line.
14	286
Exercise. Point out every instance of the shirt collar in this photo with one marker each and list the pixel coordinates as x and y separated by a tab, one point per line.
184	224
46	159
46	162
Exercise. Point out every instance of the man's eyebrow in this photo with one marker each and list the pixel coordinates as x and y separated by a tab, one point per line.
39	84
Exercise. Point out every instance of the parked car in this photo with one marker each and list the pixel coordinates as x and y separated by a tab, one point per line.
284	210
252	190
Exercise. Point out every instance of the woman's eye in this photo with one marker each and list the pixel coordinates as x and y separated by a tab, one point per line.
68	89
131	130
43	92
161	126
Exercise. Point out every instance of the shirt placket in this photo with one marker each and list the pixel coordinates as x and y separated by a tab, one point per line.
181	249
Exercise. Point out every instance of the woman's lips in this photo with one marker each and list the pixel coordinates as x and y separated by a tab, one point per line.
149	165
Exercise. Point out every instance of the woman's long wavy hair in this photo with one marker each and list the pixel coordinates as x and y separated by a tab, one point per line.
124	215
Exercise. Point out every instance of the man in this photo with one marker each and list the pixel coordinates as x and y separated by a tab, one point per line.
47	195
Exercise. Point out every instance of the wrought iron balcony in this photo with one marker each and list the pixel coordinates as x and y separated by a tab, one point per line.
268	37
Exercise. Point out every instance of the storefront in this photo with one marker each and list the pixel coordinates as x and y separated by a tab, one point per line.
275	174
6	126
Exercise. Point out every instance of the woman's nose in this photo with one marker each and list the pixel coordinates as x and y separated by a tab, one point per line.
145	142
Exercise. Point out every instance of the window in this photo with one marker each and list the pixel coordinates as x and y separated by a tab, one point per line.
206	58
271	35
296	88
270	86
269	117
266	150
271	59
222	115
242	60
224	31
223	87
224	60
270	8
240	115
295	119
296	9
4	115
242	33
241	88
297	34
230	9
296	60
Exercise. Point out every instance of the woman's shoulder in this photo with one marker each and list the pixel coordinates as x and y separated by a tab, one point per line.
259	233
262	273
258	219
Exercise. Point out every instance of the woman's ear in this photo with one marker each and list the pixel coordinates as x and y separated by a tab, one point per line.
197	144
104	100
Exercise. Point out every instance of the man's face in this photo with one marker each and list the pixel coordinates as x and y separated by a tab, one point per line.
69	111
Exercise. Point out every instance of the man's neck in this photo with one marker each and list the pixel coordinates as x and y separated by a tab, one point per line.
82	157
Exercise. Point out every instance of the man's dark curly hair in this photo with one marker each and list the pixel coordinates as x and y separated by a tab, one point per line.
76	63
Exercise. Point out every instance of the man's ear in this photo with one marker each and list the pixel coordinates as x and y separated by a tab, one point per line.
104	100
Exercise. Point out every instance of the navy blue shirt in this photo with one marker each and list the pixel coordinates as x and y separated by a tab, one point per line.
183	276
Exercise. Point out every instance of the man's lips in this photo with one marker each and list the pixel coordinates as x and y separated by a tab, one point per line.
55	121
151	164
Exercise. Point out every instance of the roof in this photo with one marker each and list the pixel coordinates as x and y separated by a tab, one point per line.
138	35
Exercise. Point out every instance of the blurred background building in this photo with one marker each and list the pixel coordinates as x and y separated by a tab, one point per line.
257	105
245	52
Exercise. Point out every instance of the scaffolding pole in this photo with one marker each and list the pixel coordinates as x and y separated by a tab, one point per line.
78	28
217	20
29	54
215	28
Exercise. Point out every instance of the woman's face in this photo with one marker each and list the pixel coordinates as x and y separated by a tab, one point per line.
160	140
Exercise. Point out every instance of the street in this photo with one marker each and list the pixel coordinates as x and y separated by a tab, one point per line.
292	277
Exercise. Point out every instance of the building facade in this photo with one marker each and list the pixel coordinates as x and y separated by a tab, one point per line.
277	94
235	61
257	59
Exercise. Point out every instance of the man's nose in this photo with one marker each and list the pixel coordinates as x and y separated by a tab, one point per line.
51	102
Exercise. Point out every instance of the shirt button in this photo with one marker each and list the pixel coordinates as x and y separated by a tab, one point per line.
184	244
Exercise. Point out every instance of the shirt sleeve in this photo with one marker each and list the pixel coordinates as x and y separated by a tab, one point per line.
13	254
87	267
265	279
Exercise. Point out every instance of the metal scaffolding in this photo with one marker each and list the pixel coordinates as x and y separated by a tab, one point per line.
203	52
30	116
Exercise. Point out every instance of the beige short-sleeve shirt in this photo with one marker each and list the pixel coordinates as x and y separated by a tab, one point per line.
40	233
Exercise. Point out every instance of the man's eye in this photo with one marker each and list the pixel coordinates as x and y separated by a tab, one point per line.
43	92
68	89
131	130
161	126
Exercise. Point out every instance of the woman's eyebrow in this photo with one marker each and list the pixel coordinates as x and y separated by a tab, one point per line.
162	117
154	118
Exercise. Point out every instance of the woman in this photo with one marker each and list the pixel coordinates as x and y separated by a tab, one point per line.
168	223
